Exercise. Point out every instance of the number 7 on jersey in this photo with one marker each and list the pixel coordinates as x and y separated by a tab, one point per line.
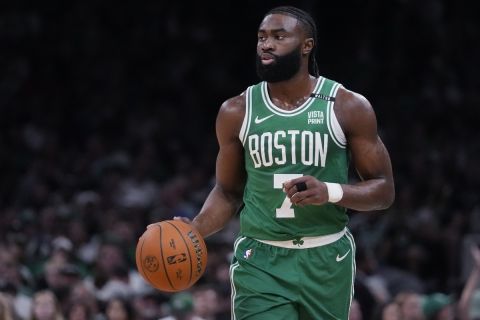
286	210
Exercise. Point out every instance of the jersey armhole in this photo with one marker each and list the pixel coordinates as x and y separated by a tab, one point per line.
334	127
248	114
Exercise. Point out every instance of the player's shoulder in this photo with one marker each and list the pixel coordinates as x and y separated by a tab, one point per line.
352	109
234	104
351	100
233	109
231	113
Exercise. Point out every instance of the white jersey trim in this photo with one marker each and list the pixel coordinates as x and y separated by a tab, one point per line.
354	266
234	266
334	127
290	113
248	115
233	293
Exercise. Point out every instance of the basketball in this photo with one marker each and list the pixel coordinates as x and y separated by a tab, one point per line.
171	255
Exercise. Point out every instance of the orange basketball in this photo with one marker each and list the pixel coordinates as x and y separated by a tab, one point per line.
171	255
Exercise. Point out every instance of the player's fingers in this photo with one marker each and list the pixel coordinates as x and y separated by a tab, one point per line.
299	187
183	219
306	197
149	226
287	186
302	202
298	197
291	184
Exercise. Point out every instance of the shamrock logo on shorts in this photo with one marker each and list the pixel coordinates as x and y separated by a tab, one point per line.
298	242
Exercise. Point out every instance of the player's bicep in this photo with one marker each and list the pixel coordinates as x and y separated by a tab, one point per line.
230	172
369	154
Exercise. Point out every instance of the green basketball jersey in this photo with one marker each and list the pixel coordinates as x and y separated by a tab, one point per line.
281	145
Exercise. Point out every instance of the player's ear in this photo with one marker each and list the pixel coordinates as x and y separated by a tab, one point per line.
308	45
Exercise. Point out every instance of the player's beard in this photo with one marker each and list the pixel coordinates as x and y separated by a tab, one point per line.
282	69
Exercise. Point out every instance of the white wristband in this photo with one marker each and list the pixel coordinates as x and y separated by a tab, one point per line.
335	192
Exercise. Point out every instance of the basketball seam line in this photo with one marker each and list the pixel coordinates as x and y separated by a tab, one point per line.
189	255
141	262
163	259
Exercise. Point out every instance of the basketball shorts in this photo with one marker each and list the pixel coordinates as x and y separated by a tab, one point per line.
289	282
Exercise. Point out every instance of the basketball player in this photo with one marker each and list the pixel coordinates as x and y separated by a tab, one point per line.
284	149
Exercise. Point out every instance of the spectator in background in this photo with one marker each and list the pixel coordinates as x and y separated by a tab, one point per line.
86	242
110	273
59	277
438	306
466	304
474	311
9	268
80	293
149	305
11	283
46	306
410	305
388	311
355	311
6	308
78	310
206	301
181	307
118	308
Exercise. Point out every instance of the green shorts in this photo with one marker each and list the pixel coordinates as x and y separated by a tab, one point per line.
271	282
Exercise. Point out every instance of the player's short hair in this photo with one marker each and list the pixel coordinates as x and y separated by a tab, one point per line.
308	25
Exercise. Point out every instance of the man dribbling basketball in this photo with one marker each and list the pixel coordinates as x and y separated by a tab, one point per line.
285	145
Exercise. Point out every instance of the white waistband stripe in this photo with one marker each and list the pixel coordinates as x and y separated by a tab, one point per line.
306	242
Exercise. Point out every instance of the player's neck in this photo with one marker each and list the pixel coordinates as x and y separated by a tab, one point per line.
293	92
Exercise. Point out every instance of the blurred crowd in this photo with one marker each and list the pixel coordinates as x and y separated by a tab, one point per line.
107	113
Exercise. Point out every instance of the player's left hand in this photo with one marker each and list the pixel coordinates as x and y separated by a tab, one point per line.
315	193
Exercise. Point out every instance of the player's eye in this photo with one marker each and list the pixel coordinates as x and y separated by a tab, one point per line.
280	37
262	38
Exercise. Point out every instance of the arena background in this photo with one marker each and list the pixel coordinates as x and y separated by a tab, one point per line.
107	112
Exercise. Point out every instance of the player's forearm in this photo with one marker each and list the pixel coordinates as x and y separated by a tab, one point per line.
373	194
217	210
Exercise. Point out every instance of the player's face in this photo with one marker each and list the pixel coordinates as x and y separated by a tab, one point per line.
279	48
279	68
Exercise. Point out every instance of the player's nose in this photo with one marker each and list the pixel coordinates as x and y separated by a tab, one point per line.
267	45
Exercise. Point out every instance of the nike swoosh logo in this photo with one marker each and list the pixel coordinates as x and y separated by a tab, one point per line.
342	257
257	121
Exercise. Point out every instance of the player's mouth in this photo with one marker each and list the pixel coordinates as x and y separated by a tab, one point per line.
267	58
